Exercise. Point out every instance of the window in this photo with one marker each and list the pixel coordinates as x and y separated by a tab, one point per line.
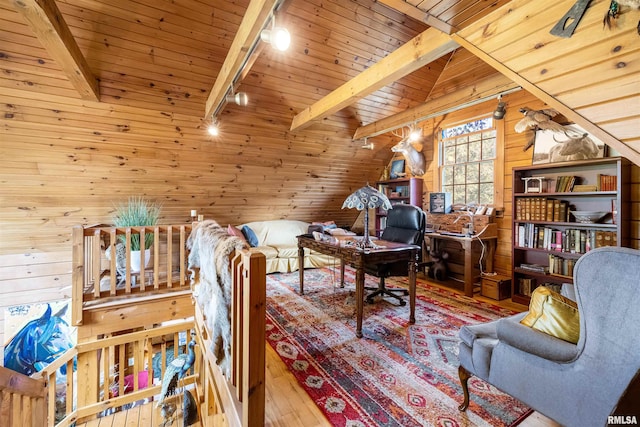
468	153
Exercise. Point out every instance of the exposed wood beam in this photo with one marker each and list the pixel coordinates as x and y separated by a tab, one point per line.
254	20
479	91
419	14
624	149
418	52
46	21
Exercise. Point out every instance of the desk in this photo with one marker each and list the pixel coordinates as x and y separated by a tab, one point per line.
387	252
488	236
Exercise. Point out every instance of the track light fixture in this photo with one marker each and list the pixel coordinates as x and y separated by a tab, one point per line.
278	37
213	128
500	110
239	98
366	146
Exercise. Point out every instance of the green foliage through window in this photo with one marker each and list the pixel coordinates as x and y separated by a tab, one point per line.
468	153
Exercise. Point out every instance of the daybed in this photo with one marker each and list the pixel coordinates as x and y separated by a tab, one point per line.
276	239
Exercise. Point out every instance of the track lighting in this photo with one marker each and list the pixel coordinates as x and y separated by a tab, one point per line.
500	110
239	98
366	146
278	37
213	128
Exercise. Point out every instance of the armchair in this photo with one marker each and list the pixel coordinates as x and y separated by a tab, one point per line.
574	384
405	224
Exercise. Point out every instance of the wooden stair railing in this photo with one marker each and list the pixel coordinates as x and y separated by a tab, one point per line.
23	400
114	371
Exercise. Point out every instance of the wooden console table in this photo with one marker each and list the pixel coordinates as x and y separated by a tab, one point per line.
488	236
344	249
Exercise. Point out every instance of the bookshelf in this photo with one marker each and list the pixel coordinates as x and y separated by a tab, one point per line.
547	238
403	190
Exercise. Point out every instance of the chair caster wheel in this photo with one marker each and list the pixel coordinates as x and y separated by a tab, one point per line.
369	301
403	303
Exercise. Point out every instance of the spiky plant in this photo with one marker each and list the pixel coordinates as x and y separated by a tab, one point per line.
137	211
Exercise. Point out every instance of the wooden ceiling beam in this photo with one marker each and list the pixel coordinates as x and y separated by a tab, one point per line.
254	20
479	91
48	24
419	15
423	49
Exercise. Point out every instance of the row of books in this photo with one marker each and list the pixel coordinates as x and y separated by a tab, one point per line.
570	240
561	266
607	182
527	285
542	209
565	183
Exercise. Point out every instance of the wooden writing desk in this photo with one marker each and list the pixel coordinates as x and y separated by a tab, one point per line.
488	236
344	249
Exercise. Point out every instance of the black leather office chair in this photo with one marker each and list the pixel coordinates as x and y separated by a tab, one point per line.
405	224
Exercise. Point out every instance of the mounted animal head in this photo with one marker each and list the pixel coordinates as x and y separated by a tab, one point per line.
39	343
415	159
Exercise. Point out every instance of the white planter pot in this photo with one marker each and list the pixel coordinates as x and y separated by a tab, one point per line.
135	260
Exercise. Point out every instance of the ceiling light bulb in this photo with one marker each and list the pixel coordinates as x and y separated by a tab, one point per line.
279	38
213	129
415	135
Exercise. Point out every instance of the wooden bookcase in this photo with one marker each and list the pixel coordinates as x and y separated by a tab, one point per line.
547	239
402	191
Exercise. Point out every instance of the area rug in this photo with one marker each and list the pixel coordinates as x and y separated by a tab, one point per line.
397	374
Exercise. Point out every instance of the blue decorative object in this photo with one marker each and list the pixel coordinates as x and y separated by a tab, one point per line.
397	169
38	343
250	236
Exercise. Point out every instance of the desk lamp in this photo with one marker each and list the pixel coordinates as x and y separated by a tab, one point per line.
367	198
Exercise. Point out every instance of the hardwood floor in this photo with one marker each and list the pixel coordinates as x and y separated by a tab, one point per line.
287	404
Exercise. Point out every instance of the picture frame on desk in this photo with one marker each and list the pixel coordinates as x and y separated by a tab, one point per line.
440	203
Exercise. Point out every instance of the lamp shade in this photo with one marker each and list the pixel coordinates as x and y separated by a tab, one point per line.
367	197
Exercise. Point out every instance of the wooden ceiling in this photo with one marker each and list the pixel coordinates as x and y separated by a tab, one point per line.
122	90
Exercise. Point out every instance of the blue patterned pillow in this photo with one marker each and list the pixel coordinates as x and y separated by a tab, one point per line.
250	235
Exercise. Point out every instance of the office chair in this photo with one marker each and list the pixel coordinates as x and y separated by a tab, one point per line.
405	224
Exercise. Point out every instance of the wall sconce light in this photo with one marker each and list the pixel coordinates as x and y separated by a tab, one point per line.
213	128
239	98
500	110
278	37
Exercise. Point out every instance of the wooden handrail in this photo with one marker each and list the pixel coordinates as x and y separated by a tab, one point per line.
28	399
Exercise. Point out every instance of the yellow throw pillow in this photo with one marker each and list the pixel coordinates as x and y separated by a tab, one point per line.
553	314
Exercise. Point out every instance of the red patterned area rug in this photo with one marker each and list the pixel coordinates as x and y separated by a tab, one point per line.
395	375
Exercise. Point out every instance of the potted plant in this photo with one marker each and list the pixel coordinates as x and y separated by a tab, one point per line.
136	212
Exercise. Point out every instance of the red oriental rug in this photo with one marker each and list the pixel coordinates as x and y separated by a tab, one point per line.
397	374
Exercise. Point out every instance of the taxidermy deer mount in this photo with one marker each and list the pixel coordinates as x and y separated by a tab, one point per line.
415	159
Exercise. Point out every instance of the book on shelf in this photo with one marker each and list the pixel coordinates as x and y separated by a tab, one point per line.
526	285
581	188
607	182
565	183
538	268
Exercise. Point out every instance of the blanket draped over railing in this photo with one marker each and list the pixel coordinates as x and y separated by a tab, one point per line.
210	247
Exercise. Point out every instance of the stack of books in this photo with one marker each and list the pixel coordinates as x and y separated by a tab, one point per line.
607	182
565	183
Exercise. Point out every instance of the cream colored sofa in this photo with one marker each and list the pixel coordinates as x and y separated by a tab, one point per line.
277	241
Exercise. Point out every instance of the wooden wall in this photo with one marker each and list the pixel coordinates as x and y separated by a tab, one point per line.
65	161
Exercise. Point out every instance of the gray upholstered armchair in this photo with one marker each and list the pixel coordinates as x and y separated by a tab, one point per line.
573	384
